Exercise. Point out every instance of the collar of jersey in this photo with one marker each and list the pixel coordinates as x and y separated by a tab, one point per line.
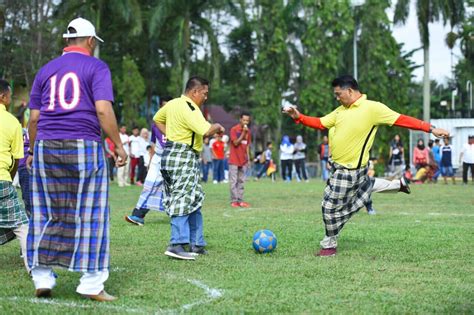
187	99
76	49
359	100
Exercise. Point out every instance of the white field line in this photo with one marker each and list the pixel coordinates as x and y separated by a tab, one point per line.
211	294
434	214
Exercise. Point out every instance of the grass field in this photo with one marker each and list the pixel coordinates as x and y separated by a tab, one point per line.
415	256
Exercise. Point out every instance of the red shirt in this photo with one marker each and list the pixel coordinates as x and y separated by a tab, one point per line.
238	153
110	145
218	149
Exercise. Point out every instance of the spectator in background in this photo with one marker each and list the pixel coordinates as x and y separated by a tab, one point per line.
467	159
109	147
299	157
433	165
134	153
446	161
218	155
420	155
143	143
286	158
437	158
265	160
24	175
396	157
225	139
239	160
323	150
206	159
123	172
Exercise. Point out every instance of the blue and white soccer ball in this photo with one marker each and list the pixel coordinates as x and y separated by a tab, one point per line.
264	241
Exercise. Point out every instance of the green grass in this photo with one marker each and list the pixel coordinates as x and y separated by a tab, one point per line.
415	256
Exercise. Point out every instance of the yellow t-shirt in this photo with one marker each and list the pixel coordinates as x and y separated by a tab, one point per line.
184	120
11	142
354	128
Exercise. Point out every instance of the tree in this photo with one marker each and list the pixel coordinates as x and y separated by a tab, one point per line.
429	11
131	90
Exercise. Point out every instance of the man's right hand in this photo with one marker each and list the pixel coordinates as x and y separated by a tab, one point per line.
292	112
122	157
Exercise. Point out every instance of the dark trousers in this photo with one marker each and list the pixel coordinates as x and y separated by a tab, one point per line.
286	168
141	170
218	169
465	168
205	171
24	177
263	169
301	169
141	213
111	161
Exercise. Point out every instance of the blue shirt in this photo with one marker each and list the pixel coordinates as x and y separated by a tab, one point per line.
436	153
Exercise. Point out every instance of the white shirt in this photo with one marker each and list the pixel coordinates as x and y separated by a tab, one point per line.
143	144
135	145
286	152
125	140
468	153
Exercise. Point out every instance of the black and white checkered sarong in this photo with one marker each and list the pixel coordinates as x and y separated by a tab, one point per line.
346	193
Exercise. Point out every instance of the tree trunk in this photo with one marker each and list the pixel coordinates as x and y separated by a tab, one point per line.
187	42
426	84
426	88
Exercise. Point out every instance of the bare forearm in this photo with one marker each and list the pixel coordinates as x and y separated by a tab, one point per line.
215	128
14	169
161	127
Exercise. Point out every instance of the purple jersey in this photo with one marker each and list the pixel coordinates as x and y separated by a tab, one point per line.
65	91
157	137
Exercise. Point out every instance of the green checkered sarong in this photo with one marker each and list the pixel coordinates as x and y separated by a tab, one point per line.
12	214
181	175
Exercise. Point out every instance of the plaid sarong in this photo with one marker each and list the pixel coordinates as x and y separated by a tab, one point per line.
12	214
346	193
151	195
181	175
69	225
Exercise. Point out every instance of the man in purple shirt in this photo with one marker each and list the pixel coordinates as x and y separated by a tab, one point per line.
151	195
71	100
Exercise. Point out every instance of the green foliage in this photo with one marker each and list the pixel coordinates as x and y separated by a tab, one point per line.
131	89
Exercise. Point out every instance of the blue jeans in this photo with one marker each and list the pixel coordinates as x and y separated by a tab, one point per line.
218	171
205	171
187	229
324	170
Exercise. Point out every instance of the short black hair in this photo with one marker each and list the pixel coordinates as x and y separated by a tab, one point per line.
4	86
148	147
194	82
74	40
345	82
268	143
135	127
166	98
242	114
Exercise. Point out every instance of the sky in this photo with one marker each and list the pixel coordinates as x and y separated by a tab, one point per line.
440	54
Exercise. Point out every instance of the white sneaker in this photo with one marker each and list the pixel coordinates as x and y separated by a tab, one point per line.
214	181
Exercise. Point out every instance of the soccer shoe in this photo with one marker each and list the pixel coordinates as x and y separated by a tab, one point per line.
101	297
325	252
370	210
404	186
43	293
134	220
178	252
235	204
198	250
244	204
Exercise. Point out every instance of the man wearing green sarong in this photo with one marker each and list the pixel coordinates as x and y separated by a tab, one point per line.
185	126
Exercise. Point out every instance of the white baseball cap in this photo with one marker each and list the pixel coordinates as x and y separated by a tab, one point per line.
83	28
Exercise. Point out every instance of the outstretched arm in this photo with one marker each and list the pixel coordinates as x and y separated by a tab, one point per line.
416	124
312	122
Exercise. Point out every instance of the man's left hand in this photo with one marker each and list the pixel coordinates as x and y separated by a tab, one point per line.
439	132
